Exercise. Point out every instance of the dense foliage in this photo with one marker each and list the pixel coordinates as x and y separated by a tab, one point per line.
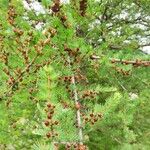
80	81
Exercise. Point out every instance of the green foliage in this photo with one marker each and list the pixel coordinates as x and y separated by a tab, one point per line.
38	68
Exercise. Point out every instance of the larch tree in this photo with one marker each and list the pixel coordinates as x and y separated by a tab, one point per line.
75	75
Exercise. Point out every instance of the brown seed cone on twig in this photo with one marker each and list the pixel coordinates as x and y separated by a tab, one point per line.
83	7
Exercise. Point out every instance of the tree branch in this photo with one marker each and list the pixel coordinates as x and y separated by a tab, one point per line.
78	114
126	62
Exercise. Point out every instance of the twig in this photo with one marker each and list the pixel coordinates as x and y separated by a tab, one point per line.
64	143
9	92
78	114
114	60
